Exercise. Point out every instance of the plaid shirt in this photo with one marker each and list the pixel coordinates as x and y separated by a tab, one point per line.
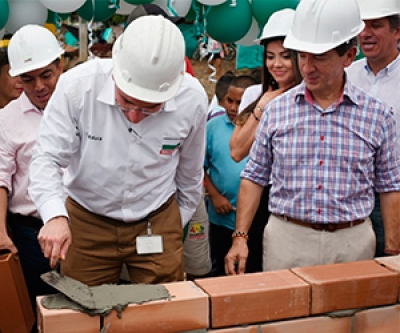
325	164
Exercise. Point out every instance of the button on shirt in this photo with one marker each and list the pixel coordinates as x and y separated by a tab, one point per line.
385	86
116	168
325	163
19	124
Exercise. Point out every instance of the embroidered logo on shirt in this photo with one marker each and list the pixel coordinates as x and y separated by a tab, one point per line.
95	138
196	231
169	149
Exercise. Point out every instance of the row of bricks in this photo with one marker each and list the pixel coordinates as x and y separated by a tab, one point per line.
269	302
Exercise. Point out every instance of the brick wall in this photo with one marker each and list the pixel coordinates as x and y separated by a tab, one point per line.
357	297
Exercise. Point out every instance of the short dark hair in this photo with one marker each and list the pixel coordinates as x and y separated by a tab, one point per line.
243	81
394	21
343	48
222	85
3	50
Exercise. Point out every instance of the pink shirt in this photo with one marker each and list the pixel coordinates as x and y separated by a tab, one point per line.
19	124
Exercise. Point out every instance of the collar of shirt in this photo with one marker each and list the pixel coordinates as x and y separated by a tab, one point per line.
26	105
348	93
107	96
388	70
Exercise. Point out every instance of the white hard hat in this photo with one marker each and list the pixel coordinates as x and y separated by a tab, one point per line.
32	47
278	25
322	25
373	9
149	59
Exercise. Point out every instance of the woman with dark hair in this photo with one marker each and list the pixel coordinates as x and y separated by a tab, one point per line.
10	87
280	73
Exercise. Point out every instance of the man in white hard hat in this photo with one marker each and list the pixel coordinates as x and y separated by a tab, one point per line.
379	74
131	131
325	145
34	56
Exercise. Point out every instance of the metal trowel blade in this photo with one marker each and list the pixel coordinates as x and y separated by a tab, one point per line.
73	289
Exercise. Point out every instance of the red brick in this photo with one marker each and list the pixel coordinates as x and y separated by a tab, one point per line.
258	297
310	325
392	263
381	320
349	285
307	325
187	310
65	321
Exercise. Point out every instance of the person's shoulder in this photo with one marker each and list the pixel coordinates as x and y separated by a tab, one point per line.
356	66
90	68
192	86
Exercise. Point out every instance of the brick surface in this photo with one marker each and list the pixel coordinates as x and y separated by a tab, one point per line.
257	297
187	310
65	321
392	263
240	329
381	320
349	285
310	325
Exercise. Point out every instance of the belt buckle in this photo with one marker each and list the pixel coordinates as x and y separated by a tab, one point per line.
330	227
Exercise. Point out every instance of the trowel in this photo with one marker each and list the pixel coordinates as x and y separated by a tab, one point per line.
73	289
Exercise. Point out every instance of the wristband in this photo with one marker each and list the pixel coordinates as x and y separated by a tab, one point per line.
243	234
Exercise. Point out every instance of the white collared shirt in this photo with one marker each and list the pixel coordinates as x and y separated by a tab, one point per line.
384	86
116	168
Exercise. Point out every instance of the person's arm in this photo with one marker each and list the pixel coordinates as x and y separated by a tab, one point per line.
243	135
189	173
390	210
248	202
58	139
5	241
221	204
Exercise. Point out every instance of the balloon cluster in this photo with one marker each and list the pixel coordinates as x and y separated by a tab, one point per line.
224	20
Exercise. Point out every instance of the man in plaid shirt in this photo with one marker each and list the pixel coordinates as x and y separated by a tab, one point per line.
325	145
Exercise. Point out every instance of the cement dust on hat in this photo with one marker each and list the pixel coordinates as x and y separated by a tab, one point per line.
152	9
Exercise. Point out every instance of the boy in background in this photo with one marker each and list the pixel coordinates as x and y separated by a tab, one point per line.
222	174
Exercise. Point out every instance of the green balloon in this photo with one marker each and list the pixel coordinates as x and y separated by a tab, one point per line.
191	15
101	11
51	17
4	12
220	18
263	9
138	2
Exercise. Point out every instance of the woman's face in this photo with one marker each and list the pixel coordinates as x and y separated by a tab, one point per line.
279	63
10	87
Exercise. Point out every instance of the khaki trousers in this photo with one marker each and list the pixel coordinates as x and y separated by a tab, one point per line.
288	245
101	245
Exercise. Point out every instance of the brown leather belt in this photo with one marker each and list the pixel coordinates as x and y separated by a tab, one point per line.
331	227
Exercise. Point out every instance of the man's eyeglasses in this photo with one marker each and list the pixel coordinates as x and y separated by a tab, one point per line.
154	110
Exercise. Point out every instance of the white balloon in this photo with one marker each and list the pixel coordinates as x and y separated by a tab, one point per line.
181	7
212	2
251	35
24	12
125	8
2	31
62	6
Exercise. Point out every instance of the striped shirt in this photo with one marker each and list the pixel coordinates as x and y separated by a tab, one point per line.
325	164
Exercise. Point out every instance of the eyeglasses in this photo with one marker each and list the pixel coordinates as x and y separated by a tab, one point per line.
156	109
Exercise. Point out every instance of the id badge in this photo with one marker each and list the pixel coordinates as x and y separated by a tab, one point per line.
150	243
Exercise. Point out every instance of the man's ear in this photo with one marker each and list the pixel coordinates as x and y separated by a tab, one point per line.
350	55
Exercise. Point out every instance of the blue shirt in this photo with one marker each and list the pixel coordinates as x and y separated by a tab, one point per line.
223	171
324	164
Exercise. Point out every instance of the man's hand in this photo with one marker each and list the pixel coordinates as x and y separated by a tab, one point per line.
55	238
235	260
7	244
